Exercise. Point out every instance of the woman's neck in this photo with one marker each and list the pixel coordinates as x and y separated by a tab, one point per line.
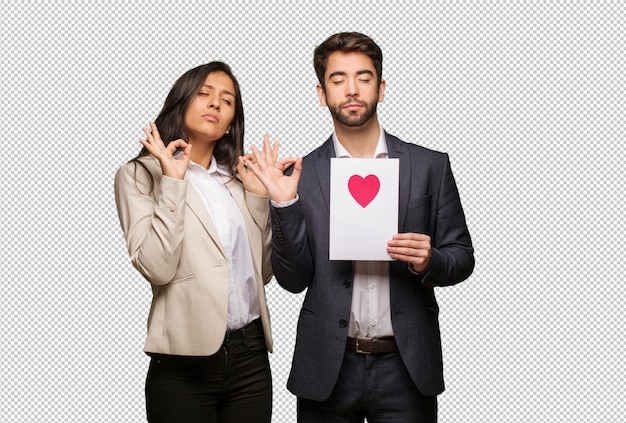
201	153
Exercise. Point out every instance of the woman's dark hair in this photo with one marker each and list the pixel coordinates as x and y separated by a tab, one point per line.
171	120
347	42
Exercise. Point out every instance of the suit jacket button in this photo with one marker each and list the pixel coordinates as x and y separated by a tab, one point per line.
343	323
347	283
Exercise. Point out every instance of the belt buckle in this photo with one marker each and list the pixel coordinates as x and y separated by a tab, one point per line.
359	350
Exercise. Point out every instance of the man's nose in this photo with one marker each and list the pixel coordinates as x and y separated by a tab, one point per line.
352	89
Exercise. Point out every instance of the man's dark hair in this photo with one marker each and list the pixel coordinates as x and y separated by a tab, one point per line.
347	42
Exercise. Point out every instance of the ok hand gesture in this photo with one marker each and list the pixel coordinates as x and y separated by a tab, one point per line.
171	167
279	186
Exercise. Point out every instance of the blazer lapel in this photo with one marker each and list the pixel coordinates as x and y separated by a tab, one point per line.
397	150
238	194
198	207
236	189
235	186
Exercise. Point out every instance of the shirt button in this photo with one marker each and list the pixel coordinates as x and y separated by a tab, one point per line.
372	286
343	323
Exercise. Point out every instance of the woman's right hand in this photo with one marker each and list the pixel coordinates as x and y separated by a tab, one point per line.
172	167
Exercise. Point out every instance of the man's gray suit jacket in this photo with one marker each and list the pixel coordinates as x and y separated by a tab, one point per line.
428	204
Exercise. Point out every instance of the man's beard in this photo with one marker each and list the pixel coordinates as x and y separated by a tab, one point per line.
351	119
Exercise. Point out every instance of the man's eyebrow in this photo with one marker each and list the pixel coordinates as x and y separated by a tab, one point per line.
338	73
361	72
212	87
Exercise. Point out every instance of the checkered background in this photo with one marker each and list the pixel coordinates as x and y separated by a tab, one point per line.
527	97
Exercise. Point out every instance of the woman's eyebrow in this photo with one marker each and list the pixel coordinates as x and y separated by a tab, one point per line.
225	91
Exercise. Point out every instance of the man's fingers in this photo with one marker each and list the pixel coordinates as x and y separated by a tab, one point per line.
410	236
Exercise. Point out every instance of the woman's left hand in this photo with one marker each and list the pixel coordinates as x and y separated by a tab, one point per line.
250	181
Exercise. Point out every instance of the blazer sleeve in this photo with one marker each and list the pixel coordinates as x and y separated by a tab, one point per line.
452	251
152	220
291	257
259	208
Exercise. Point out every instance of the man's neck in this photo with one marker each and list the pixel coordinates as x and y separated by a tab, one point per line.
360	141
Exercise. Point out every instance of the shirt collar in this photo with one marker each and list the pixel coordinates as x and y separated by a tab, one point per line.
214	168
381	146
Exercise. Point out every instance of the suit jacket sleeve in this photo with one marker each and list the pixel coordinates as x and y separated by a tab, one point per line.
291	259
452	252
152	220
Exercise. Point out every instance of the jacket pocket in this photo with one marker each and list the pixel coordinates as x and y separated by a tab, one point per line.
184	279
418	215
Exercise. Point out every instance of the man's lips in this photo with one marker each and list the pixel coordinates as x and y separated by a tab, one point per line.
353	106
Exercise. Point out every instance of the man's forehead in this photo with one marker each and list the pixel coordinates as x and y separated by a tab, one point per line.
350	62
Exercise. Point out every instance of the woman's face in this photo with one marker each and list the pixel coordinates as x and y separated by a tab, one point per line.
212	109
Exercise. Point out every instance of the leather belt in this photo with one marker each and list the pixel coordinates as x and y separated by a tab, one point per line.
386	344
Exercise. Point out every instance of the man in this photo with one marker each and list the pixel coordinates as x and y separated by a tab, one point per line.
368	342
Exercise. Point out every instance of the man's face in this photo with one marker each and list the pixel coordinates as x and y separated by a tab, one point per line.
352	91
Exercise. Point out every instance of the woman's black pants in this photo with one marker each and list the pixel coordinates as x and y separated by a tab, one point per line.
233	385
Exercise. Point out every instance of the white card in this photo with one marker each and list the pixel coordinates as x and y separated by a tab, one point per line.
363	208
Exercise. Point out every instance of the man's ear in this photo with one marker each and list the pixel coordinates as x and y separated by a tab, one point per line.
321	94
381	90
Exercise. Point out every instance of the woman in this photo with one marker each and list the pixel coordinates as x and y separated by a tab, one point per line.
197	227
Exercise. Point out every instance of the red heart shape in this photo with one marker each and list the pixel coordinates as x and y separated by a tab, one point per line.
363	190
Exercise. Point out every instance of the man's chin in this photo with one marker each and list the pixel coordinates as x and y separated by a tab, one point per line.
352	121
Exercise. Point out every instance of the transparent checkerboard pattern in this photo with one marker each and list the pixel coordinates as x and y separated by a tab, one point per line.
527	98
